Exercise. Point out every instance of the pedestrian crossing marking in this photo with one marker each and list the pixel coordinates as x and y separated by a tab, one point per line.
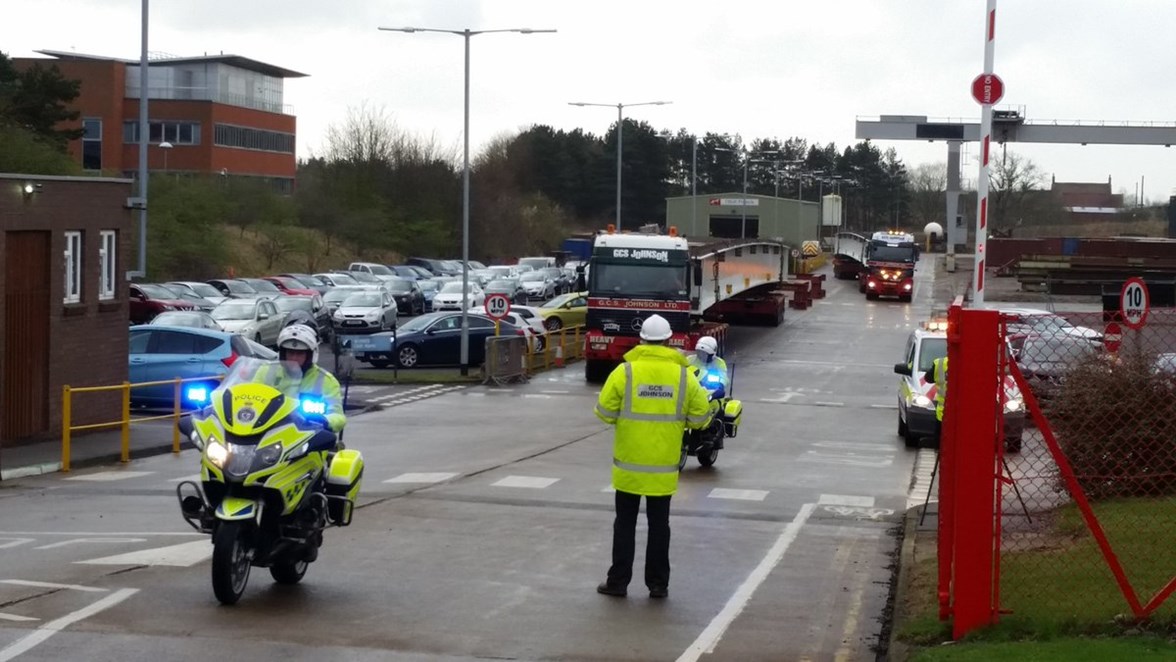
741	495
108	476
422	477
529	482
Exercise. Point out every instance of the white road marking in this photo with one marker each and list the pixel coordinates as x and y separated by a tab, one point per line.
923	479
421	477
847	459
529	482
179	556
107	476
709	638
846	500
41	634
829	404
17	619
80	541
743	495
610	489
556	392
70	587
883	406
8	543
537	396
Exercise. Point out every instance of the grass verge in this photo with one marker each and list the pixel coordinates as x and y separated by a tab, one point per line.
389	376
1061	586
1074	649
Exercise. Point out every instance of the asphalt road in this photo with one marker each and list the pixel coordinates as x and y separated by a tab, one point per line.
486	525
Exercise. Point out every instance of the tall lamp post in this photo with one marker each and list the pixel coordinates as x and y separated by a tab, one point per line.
620	123
465	179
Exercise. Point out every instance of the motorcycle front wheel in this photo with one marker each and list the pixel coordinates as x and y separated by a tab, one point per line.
682	459
288	572
708	457
230	561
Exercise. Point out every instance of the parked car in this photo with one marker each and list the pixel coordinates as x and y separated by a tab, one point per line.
234	288
312	282
264	287
202	290
524	317
309	310
148	300
1044	360
193	319
159	352
256	319
335	279
533	316
336	295
409	297
565	310
380	271
537	262
511	287
435	339
563	281
429	289
450	296
436	267
1033	320
366	311
537	286
291	285
191	297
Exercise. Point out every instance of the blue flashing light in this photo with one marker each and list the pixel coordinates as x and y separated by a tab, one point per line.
313	406
197	394
714	378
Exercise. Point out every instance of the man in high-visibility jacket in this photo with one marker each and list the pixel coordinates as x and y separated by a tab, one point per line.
651	399
938	374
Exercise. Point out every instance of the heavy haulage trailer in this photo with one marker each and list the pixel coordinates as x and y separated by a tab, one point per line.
698	286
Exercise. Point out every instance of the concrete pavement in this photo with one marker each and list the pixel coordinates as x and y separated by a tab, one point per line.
486	524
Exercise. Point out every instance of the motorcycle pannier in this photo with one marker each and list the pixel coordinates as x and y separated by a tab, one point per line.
732	412
343	480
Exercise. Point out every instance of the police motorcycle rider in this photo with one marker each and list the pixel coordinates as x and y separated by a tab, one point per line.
298	346
709	367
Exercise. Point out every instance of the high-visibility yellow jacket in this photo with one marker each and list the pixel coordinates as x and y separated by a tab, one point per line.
321	384
717	365
651	398
939	367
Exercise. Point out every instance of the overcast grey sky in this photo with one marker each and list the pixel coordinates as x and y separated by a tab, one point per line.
757	68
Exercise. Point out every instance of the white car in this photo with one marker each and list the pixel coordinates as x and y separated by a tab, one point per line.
449	297
529	320
366	311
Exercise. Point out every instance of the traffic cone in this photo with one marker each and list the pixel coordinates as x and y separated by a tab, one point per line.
559	362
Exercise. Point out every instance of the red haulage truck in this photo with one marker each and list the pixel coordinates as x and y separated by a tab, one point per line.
697	286
890	266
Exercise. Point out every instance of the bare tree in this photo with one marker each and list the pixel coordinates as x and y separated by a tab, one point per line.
928	184
1017	194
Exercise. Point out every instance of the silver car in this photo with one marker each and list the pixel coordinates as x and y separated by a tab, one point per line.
196	319
366	311
256	319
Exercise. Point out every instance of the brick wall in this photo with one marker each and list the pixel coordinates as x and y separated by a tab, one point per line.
87	340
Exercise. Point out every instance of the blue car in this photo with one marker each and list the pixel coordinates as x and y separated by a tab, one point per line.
159	352
434	339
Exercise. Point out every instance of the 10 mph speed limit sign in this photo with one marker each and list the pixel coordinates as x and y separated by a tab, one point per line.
1134	303
497	306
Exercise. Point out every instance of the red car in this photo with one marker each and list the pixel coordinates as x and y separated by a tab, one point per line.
148	300
290	286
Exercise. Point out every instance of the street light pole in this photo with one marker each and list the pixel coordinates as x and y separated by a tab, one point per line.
465	178
693	185
620	133
144	137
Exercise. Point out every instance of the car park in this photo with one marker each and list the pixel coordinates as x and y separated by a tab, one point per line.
366	311
450	296
202	290
565	310
1020	321
408	296
291	285
264	287
256	319
148	300
511	288
365	278
309	281
429	289
407	271
306	309
335	279
563	281
435	267
194	319
158	353
234	288
537	286
336	295
184	294
379	271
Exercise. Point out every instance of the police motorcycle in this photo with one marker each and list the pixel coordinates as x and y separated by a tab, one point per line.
706	443
271	479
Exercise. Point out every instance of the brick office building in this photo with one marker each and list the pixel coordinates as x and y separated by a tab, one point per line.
218	114
63	299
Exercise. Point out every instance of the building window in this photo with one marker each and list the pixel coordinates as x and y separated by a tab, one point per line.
92	144
108	258
227	135
73	267
174	132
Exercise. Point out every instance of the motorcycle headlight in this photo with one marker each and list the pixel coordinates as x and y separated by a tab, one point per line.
267	457
1013	405
216	453
922	401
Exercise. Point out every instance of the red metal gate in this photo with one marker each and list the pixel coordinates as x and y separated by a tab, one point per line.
1074	525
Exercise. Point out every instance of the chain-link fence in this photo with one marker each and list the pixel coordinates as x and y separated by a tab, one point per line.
1088	522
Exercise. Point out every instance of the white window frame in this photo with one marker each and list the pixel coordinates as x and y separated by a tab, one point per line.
73	267
108	259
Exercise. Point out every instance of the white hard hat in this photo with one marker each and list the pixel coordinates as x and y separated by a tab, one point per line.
299	337
655	328
707	344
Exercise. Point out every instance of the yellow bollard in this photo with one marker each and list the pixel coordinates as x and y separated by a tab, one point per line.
66	424
126	423
176	419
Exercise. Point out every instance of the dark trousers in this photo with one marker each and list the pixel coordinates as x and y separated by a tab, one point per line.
657	549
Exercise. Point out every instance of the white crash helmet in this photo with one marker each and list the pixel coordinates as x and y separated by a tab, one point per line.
299	337
707	344
655	328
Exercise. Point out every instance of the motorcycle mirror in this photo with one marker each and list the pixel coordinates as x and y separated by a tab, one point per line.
902	369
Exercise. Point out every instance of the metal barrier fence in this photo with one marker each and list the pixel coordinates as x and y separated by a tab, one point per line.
124	423
559	347
1060	513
